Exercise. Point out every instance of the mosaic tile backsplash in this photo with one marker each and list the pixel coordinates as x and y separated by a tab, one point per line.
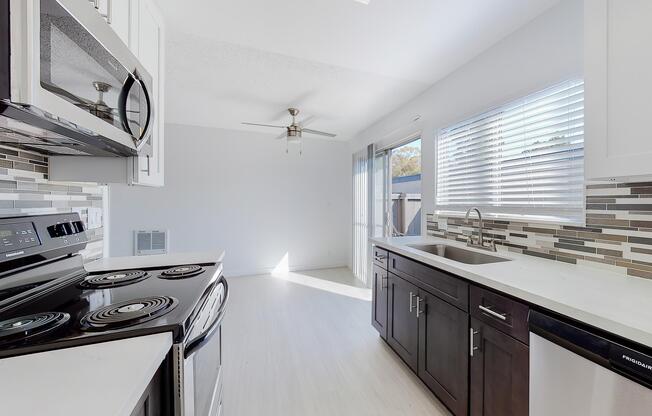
26	190
617	234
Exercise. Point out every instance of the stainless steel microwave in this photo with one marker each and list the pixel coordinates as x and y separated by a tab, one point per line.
68	83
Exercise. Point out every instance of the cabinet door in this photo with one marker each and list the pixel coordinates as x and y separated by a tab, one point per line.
148	170
444	351
499	373
402	325
379	301
120	18
618	85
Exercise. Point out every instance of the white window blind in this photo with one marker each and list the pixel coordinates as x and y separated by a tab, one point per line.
525	158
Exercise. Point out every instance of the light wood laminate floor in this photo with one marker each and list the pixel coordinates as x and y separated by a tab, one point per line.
303	345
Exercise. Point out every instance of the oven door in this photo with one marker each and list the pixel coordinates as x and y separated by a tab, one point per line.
202	365
69	65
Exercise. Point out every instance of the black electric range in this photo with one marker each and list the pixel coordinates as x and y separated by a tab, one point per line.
48	301
106	306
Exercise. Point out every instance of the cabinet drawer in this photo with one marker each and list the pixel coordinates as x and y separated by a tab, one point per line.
447	287
380	257
500	312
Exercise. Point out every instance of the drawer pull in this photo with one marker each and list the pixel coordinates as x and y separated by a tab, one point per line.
488	310
381	256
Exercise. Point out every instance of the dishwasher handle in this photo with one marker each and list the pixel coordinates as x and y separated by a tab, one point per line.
631	360
568	335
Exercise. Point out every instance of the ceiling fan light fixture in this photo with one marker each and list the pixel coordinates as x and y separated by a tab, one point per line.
294	132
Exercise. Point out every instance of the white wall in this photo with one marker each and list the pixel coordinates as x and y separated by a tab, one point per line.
241	192
544	52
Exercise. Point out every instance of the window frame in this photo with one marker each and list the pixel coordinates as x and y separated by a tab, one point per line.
545	215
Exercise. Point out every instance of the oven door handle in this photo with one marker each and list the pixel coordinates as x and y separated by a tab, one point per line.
205	336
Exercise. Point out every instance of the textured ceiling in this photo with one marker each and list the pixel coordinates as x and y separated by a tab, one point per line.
343	63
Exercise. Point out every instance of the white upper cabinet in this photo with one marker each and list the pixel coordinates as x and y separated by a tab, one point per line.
117	14
120	17
148	170
618	89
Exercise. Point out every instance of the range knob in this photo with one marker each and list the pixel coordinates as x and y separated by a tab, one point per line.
65	228
57	230
79	226
68	228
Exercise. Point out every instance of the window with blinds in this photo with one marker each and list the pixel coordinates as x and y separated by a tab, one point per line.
523	159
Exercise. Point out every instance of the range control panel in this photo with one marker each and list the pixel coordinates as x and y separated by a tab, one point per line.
31	239
18	236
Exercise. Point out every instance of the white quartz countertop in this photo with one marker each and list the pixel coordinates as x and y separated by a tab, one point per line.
105	379
157	260
617	303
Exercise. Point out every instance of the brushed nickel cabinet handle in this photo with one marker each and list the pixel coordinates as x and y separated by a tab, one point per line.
419	310
383	284
472	347
412	295
487	310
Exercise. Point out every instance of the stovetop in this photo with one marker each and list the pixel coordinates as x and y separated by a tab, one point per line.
99	307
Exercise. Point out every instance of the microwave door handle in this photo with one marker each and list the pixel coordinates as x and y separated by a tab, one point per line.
150	116
205	336
122	103
122	109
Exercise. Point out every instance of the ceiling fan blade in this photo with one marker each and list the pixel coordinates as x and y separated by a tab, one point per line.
307	121
282	136
321	133
265	125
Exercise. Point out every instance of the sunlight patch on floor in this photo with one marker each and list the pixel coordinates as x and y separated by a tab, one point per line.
283	265
327	285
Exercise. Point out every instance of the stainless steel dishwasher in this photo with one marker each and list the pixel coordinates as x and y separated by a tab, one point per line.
579	371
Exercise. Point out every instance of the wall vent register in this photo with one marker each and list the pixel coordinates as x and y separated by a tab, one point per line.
148	242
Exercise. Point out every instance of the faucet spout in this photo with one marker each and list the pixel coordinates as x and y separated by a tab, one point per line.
480	225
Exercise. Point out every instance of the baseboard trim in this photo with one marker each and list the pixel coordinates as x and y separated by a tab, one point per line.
257	272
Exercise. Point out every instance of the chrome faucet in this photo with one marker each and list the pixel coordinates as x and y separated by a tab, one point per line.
480	243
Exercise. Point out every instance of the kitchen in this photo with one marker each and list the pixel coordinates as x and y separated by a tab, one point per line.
205	210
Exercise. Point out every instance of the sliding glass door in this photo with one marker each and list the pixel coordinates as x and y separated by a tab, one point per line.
381	194
386	199
397	190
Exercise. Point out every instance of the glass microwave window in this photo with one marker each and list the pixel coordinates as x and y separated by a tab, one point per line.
77	68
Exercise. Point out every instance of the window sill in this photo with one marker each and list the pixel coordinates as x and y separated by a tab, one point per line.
529	219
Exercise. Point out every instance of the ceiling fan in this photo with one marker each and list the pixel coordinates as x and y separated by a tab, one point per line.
294	131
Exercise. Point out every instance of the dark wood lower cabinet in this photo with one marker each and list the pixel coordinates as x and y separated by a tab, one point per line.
499	373
444	352
402	324
430	329
379	303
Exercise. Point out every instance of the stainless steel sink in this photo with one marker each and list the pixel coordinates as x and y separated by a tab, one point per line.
457	254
